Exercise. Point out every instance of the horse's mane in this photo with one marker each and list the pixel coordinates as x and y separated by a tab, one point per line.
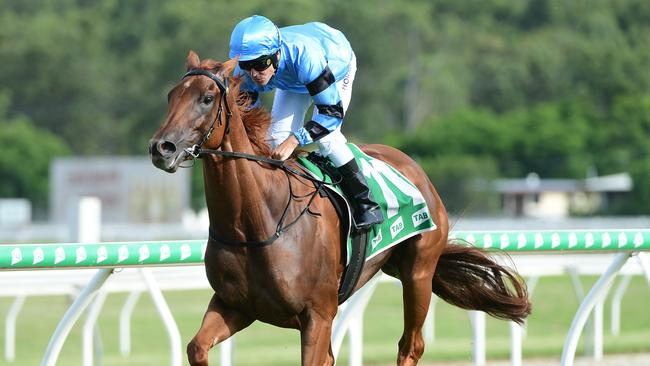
256	120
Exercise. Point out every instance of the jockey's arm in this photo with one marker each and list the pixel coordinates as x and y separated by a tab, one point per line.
321	85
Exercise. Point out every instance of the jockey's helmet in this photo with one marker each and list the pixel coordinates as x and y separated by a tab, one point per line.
254	37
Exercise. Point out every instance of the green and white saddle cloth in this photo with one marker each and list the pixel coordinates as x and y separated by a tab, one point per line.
405	211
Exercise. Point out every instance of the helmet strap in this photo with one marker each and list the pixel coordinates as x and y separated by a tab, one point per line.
276	60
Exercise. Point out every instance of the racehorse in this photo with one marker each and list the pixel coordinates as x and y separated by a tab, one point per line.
276	254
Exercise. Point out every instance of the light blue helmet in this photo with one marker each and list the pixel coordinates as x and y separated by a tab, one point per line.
254	37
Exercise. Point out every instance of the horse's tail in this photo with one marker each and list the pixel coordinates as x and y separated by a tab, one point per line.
468	278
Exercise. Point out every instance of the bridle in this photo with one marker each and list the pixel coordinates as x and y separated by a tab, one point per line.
197	151
223	100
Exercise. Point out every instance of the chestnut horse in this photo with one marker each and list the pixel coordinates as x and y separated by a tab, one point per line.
293	281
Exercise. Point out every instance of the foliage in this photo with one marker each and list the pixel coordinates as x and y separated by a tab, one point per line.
549	86
26	154
462	182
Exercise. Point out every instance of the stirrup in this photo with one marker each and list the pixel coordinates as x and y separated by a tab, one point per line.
372	217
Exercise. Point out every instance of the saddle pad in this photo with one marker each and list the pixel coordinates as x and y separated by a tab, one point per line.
405	211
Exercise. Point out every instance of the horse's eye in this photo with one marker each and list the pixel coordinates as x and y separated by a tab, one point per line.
207	99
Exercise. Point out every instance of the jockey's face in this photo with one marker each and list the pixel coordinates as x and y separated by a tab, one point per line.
261	77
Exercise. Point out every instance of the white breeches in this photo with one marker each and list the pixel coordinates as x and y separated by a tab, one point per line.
288	115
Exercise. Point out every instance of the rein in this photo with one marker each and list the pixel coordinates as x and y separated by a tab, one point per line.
281	164
197	151
223	88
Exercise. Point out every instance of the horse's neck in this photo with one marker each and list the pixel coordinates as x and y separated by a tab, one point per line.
238	195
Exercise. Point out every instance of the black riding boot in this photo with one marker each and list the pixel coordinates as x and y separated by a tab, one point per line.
355	187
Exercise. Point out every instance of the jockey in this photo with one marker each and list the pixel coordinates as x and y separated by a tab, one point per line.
305	63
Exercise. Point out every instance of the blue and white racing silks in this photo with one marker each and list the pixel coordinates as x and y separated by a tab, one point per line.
313	57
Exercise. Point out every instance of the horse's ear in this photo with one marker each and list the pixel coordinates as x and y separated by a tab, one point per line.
228	67
193	61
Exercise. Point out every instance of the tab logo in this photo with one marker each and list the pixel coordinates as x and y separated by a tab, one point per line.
165	252
186	251
144	253
16	256
504	240
539	240
397	227
376	240
102	254
521	241
122	253
59	255
38	255
555	240
81	254
589	240
420	216
606	240
487	241
638	240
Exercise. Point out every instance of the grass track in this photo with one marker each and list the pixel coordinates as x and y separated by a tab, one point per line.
554	305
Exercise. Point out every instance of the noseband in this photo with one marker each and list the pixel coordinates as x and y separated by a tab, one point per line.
223	100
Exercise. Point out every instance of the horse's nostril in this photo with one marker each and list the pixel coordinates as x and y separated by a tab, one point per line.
166	148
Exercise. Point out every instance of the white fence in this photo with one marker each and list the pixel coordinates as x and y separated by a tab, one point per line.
137	257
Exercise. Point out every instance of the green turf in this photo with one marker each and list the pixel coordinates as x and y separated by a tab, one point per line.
554	305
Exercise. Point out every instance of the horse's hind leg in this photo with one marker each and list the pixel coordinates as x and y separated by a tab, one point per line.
416	262
219	323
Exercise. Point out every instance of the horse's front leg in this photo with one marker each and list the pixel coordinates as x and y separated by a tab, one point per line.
315	338
219	323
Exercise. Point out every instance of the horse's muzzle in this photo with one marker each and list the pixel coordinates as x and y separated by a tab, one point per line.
166	155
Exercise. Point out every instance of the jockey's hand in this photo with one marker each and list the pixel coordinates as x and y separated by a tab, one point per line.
285	149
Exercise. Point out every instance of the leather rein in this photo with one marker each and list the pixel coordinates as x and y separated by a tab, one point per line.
197	151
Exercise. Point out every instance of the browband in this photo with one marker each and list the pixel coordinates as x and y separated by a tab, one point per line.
220	83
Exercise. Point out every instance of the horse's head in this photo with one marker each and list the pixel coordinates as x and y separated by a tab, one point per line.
198	114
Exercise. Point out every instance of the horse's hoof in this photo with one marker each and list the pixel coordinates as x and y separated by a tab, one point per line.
196	355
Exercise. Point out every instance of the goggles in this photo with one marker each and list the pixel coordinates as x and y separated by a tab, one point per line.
260	64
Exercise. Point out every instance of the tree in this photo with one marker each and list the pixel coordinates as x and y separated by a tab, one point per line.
26	155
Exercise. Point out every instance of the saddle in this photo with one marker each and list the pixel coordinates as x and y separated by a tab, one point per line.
405	210
357	250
